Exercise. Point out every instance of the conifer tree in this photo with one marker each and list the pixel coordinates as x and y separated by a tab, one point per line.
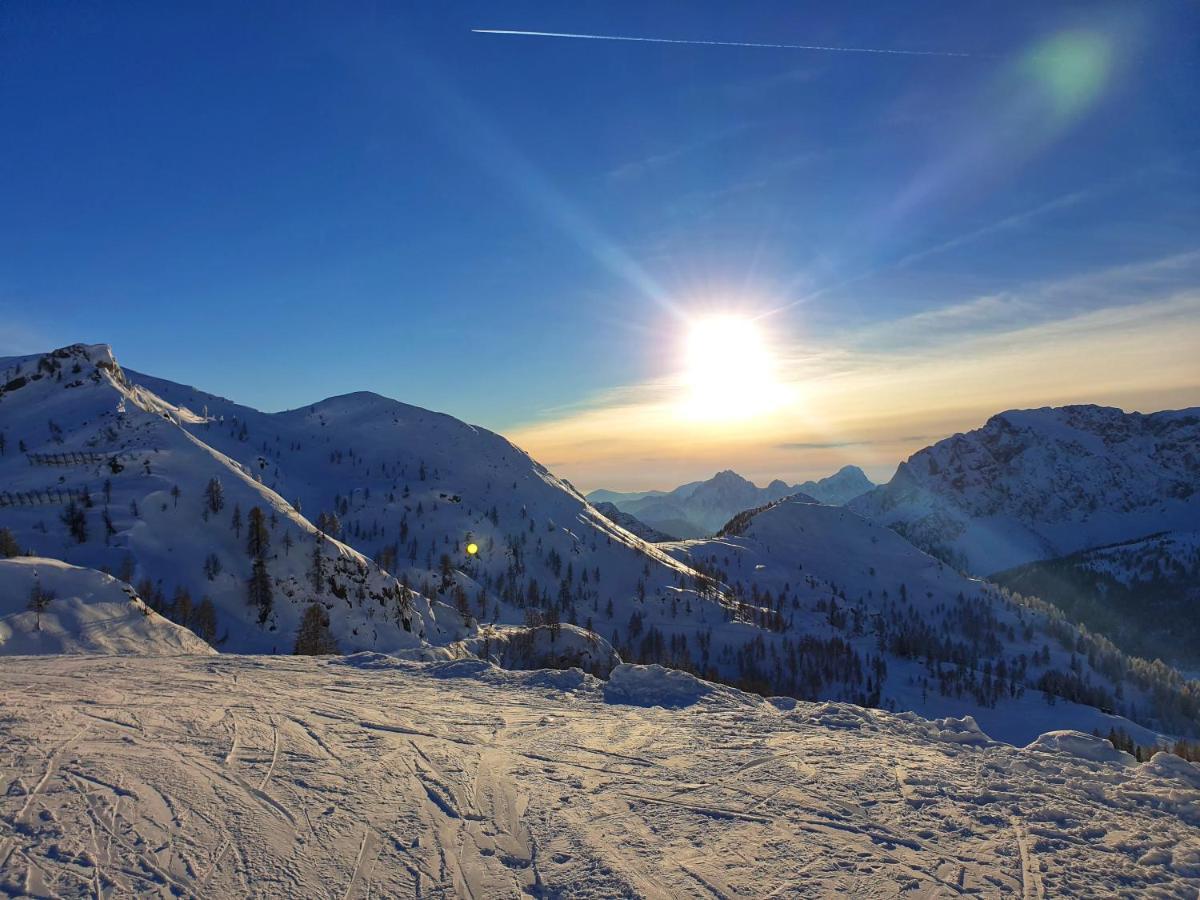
316	568
8	545
314	637
259	591
214	496
204	621
76	521
38	601
258	538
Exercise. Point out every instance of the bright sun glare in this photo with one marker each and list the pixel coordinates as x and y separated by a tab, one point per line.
729	370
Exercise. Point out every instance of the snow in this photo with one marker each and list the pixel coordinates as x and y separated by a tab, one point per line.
817	554
1043	483
543	647
631	523
125	451
89	613
289	776
1083	746
412	487
654	685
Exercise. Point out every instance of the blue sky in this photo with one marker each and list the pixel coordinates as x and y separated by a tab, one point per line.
284	201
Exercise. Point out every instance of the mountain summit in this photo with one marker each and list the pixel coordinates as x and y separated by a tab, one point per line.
1042	483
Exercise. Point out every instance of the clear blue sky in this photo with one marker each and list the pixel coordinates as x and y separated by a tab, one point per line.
283	201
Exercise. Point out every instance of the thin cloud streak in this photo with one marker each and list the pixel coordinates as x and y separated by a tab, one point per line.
702	43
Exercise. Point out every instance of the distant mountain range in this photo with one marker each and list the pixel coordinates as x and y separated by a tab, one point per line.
701	508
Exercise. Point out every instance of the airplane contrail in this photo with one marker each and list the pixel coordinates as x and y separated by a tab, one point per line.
660	40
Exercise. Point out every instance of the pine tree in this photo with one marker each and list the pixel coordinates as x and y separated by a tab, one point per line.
214	496
204	621
181	607
314	637
235	521
76	521
8	545
38	601
258	590
258	539
316	568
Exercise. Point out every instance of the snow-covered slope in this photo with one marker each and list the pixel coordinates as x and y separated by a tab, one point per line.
855	611
1144	594
47	606
245	776
1043	483
100	472
632	523
413	488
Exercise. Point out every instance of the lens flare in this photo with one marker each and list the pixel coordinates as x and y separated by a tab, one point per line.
1072	68
729	370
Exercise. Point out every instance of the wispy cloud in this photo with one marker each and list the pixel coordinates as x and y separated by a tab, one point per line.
1008	223
833	445
639	167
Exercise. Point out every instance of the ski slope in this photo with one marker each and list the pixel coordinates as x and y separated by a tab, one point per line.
367	776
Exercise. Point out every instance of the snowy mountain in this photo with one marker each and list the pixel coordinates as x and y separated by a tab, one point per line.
1144	593
361	510
111	470
700	508
49	607
413	488
1045	483
856	612
102	473
237	776
695	509
839	488
632	523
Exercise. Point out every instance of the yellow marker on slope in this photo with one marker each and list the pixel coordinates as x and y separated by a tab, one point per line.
472	549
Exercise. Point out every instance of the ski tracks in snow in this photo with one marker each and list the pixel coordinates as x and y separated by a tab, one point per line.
401	784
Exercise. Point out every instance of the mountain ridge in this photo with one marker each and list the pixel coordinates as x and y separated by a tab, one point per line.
700	508
1043	483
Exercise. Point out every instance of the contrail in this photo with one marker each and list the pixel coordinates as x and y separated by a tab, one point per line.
659	40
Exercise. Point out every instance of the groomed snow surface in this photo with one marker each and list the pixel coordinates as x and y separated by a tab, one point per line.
237	776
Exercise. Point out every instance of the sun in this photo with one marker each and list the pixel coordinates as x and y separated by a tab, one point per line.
729	370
